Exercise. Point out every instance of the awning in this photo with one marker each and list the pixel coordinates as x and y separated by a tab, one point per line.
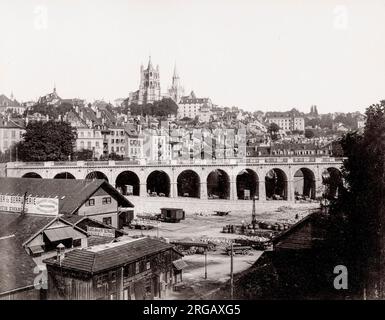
179	264
36	249
58	234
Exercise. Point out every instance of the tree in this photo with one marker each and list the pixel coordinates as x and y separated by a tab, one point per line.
83	155
362	202
47	141
273	130
309	134
161	108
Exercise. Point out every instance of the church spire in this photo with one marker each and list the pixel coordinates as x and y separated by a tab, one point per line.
149	63
175	71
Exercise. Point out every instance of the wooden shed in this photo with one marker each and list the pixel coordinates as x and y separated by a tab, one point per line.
172	214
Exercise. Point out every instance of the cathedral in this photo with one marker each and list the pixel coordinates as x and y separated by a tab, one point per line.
149	88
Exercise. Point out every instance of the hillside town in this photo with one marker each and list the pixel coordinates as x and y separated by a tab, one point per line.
150	125
201	151
65	233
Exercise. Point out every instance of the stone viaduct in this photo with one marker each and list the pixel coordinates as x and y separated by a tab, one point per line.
265	178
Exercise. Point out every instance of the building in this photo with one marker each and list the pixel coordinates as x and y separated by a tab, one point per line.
27	239
50	99
149	88
117	140
90	139
134	143
133	269
11	132
176	90
287	121
92	198
190	106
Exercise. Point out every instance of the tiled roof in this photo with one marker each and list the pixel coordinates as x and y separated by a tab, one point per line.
92	260
75	192
16	267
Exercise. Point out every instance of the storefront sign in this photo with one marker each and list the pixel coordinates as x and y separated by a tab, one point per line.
101	232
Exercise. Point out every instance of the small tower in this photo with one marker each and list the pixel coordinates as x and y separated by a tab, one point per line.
176	91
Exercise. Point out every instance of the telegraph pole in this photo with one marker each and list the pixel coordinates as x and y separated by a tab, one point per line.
206	263
254	215
231	274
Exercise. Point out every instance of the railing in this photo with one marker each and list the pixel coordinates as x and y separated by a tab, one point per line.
145	162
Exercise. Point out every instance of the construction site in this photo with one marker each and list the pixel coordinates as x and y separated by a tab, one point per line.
207	231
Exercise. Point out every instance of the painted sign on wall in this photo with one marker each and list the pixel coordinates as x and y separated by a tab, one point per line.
36	205
102	232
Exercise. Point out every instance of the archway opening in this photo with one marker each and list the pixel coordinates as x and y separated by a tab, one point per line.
304	184
64	175
276	185
128	183
188	184
332	179
158	184
32	175
96	175
218	185
247	184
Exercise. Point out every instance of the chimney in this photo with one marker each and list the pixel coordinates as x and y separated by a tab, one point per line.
60	253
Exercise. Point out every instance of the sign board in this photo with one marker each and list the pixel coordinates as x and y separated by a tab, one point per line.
101	232
36	205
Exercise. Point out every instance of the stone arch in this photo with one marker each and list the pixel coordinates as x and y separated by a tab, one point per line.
158	182
276	184
128	183
96	175
64	175
188	182
304	183
32	175
218	184
332	179
247	179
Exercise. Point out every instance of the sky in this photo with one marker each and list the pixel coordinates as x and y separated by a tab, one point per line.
255	54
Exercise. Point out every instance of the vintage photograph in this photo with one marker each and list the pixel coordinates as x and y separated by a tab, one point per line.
192	150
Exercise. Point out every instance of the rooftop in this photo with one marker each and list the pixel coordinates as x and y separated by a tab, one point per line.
16	267
108	256
71	193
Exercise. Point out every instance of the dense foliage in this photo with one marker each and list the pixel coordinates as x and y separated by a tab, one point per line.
362	200
47	141
161	108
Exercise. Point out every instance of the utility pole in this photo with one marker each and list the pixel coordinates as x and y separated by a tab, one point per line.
231	274
254	215
206	263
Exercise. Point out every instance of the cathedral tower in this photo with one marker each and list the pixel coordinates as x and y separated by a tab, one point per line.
149	89
176	91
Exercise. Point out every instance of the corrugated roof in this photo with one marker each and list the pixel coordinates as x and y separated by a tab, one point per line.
58	234
112	257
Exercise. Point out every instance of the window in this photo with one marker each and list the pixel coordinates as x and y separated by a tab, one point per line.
107	220
113	276
148	265
101	280
90	202
137	268
106	200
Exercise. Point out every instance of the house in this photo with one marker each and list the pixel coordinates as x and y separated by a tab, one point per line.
11	132
92	198
133	269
